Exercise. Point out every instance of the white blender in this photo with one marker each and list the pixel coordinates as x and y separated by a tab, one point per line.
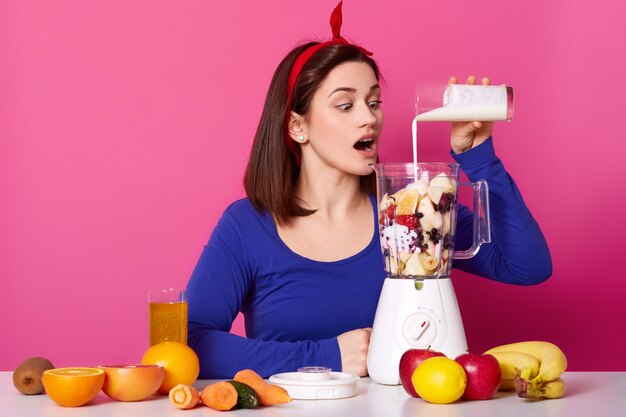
417	308
417	212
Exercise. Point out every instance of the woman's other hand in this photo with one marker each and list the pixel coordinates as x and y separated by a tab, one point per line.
354	346
467	135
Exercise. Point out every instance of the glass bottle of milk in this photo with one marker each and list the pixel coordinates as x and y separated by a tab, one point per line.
463	102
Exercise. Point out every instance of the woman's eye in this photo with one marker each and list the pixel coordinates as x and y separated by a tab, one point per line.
345	107
375	104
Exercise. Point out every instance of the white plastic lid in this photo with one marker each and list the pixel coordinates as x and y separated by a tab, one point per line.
316	383
314	373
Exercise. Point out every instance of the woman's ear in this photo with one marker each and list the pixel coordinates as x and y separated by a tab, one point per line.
297	128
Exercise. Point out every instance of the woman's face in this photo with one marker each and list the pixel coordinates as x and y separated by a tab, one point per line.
345	120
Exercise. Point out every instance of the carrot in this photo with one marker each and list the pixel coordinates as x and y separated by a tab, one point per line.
184	396
269	394
220	396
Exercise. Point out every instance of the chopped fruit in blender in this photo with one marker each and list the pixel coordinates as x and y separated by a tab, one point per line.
408	202
421	186
413	266
397	196
445	204
445	224
404	257
391	264
434	235
431	221
446	242
398	239
429	247
429	262
425	206
409	221
394	268
415	229
442	181
435	193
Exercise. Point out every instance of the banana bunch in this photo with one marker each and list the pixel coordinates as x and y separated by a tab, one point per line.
533	369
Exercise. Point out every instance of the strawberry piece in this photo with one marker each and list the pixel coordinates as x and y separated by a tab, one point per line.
409	221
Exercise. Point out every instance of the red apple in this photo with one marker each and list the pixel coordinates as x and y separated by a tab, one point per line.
409	361
483	375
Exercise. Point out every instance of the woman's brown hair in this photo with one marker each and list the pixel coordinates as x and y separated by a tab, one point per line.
273	169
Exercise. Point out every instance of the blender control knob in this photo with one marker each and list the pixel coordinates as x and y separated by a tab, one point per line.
419	329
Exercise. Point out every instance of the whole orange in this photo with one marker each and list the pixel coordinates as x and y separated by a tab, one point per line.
179	361
73	387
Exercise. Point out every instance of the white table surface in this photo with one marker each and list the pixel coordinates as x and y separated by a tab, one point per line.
589	394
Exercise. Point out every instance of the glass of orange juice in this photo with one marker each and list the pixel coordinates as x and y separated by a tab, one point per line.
168	315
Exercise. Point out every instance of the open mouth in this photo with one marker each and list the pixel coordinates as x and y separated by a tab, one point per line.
365	144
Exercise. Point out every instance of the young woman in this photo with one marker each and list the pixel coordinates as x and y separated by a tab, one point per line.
300	256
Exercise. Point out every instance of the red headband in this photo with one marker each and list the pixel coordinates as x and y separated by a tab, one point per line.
335	25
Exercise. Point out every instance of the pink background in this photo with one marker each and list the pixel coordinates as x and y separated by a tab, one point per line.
125	127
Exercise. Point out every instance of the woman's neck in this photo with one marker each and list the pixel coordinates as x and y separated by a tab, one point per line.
332	193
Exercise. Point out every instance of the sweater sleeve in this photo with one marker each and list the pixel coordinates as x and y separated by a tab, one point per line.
518	253
216	291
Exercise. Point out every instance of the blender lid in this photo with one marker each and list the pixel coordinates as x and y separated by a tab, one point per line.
317	383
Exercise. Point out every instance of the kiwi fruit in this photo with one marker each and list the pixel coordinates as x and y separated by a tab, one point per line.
27	376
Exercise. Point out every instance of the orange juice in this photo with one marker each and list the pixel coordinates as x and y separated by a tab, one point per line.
168	322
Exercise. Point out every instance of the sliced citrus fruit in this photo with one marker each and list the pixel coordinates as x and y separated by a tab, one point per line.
407	202
396	196
179	361
132	382
73	387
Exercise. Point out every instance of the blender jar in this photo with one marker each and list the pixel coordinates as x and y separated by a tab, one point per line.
417	207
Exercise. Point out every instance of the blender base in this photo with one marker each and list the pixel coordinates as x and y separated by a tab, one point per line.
413	314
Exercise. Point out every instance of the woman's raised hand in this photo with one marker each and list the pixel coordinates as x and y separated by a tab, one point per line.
467	135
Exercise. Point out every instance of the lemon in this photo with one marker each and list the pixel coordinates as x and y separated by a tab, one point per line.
73	387
179	361
439	380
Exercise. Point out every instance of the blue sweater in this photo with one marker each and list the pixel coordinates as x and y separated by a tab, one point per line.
295	307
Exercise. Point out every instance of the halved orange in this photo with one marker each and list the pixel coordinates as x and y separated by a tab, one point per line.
73	387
